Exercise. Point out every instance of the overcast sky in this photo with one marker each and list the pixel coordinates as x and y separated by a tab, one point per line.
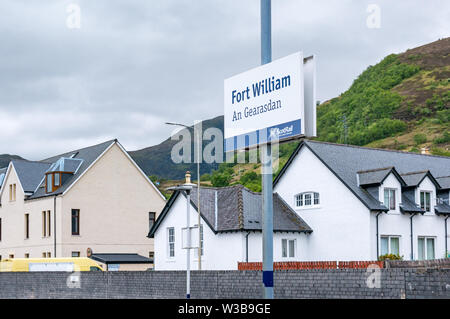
135	64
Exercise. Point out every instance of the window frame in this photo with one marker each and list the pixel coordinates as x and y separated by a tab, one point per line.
301	199
44	223
425	207
169	229
27	225
389	238
77	218
288	242
202	250
151	220
425	241
388	205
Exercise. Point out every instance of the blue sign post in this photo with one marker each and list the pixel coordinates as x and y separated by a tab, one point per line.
266	153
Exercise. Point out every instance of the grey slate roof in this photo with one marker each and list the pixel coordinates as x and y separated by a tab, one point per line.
87	154
442	208
30	173
414	178
444	182
345	161
121	258
375	176
238	209
241	209
408	206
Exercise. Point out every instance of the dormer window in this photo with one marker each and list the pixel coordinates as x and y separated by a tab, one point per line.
389	198
59	171
425	201
307	199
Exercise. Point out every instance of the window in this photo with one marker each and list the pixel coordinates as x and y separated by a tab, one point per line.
27	226
75	254
12	192
44	224
0	229
171	242
201	241
27	255
288	248
425	247
11	256
307	199
390	245
75	221
49	227
49	183
151	219
44	255
151	255
389	198
57	179
49	254
425	201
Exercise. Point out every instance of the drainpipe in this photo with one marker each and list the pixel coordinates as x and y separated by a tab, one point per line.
246	247
446	248
378	235
215	211
412	239
54	226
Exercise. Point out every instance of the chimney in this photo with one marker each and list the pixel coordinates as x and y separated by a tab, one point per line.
188	177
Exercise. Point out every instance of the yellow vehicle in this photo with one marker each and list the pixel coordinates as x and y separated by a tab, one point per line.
49	264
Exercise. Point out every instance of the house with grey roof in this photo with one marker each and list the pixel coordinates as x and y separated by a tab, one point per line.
230	229
363	203
94	199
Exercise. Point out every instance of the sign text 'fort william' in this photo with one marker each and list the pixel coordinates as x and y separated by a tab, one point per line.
273	101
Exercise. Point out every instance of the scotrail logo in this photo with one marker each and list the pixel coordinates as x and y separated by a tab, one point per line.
276	133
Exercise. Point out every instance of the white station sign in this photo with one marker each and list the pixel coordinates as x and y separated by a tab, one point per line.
269	103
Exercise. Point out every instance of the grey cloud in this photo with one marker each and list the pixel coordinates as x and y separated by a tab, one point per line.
136	64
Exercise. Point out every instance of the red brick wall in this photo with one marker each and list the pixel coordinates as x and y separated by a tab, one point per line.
291	265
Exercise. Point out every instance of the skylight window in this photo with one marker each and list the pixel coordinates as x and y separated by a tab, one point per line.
2	177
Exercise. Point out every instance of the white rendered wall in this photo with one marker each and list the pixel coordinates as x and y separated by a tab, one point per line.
341	223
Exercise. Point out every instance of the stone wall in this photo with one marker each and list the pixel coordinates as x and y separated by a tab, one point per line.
314	283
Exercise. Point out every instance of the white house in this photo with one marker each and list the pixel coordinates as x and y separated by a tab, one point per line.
231	229
348	202
362	203
92	199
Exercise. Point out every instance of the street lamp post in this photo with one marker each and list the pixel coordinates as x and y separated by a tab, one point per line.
187	187
199	252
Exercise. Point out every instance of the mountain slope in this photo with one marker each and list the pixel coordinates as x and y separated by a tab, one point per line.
6	158
156	160
391	98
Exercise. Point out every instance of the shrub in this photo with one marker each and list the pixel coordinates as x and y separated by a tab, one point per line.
420	138
205	177
220	180
445	138
390	257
